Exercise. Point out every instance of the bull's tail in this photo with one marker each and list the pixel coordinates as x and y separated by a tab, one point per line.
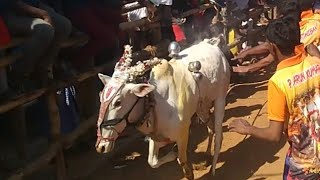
219	109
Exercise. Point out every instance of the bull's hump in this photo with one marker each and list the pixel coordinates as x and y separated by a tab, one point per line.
162	70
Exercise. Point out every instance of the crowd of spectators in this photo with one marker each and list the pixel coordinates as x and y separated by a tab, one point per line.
48	23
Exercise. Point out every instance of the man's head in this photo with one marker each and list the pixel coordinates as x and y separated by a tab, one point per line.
316	7
288	7
284	35
295	7
306	4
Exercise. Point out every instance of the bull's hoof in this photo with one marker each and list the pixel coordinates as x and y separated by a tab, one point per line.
201	166
205	162
188	172
190	177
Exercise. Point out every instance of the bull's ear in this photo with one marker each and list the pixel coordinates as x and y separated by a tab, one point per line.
104	78
142	90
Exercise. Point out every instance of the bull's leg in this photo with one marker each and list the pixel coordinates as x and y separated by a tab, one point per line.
219	108
153	158
207	117
210	128
182	153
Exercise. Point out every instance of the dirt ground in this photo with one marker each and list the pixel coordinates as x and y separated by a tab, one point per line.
241	157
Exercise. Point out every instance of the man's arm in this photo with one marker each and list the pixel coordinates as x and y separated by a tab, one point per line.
150	7
260	49
277	113
25	9
255	66
272	133
313	50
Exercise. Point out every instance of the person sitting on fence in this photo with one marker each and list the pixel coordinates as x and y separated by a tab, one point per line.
146	35
100	21
46	29
164	8
308	19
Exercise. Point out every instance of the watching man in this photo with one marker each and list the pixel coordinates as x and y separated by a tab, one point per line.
293	102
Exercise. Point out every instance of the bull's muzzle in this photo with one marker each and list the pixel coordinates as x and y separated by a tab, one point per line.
104	146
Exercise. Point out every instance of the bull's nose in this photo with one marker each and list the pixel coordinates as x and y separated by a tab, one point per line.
103	149
100	149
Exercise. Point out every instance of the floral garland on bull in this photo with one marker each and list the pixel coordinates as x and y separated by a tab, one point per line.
133	74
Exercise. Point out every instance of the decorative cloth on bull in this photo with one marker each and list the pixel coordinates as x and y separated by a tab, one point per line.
123	73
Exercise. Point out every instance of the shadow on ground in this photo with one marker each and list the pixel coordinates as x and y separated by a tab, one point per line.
244	159
246	92
240	161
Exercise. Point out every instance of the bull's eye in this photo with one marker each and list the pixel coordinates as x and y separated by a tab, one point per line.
117	103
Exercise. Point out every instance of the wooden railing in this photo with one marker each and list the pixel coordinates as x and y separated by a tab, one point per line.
50	93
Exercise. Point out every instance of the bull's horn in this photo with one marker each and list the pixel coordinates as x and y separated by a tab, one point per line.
125	60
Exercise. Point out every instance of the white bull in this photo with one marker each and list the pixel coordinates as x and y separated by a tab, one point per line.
177	96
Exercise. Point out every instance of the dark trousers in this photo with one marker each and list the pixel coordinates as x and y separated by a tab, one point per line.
166	22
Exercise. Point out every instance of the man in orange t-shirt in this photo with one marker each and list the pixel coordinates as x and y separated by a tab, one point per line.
310	28
293	101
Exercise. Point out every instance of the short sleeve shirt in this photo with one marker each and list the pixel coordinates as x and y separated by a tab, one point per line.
162	2
294	96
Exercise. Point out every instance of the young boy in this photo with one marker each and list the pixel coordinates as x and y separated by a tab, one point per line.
293	102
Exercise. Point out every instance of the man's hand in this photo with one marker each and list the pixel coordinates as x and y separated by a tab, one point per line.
240	69
25	9
46	17
151	10
240	126
240	57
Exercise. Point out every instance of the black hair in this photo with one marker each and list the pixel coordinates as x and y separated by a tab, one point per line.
292	18
289	7
285	33
295	6
306	4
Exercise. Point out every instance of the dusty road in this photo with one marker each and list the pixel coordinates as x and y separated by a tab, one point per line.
241	157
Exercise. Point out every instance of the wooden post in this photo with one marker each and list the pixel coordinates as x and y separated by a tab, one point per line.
55	135
18	124
87	97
